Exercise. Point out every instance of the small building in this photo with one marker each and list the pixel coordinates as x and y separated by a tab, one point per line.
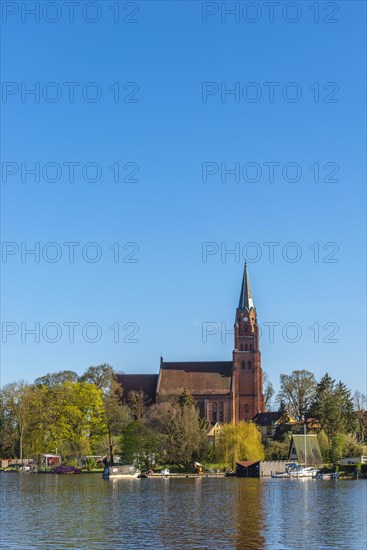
305	449
269	421
9	462
354	460
263	468
247	468
213	434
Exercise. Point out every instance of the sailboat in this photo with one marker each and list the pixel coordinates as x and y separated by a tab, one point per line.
296	470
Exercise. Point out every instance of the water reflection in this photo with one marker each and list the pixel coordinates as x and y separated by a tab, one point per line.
248	516
43	511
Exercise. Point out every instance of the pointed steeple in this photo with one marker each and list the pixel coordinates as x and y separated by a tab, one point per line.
246	301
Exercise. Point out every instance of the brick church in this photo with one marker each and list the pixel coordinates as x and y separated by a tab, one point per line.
226	391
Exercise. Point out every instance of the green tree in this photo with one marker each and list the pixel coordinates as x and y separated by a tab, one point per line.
177	421
325	447
353	447
99	375
9	438
141	446
360	406
332	405
117	415
15	403
240	441
297	390
282	430
56	378
276	450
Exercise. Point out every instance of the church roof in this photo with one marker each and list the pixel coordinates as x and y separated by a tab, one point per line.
198	378
136	382
246	301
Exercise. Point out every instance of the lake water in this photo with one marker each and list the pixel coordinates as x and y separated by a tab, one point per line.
46	511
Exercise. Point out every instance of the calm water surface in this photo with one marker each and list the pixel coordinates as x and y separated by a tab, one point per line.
45	511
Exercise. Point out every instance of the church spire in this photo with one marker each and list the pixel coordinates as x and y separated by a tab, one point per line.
246	301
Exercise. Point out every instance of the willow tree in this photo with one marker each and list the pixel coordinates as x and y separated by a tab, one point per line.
240	441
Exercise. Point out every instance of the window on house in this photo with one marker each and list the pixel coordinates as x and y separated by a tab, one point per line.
221	414
241	347
249	365
214	412
246	408
246	347
243	366
251	346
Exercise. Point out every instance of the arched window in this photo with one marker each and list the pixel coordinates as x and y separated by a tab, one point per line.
251	347
243	365
221	415
246	347
246	408
249	365
241	347
214	412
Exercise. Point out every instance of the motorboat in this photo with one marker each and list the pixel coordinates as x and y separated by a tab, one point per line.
120	471
299	471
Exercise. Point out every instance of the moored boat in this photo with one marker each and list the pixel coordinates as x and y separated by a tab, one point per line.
119	471
299	471
66	470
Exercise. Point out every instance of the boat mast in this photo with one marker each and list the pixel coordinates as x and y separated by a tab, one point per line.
304	435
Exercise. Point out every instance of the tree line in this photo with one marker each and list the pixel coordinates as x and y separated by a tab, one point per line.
328	408
76	416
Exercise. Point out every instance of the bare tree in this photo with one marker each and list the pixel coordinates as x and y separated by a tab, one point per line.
297	391
268	390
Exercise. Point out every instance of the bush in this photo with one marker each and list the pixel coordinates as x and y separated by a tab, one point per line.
90	464
276	450
348	469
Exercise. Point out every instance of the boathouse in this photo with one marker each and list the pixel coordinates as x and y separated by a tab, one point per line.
263	468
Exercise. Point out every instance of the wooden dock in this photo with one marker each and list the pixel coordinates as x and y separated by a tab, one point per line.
183	475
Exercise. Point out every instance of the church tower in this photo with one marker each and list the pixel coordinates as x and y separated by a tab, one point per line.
247	395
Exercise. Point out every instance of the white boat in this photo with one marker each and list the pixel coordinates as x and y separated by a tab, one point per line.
280	474
299	471
119	471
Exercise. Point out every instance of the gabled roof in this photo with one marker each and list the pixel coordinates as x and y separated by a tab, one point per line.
266	418
198	378
313	453
246	463
136	382
214	431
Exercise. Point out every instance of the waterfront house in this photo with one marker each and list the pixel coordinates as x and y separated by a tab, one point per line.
354	460
260	468
213	433
269	421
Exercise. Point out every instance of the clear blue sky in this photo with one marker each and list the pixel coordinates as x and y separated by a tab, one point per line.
169	133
